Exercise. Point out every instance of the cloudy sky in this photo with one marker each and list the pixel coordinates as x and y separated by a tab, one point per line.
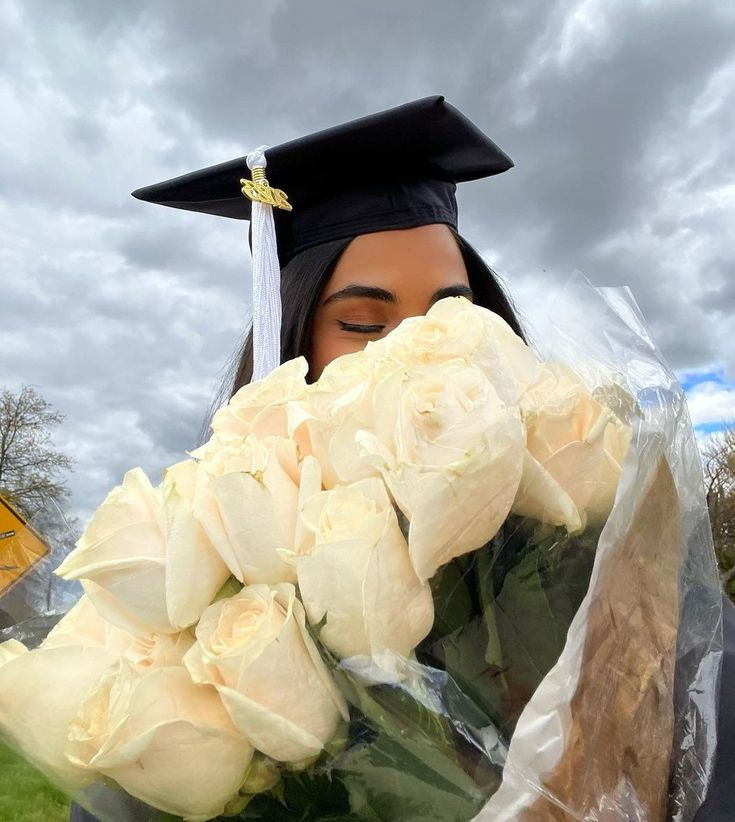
619	115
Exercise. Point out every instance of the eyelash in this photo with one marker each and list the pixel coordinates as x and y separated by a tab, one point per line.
361	329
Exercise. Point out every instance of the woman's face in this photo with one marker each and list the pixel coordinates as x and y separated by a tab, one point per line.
381	279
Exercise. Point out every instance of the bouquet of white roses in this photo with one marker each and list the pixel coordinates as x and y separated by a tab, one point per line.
448	580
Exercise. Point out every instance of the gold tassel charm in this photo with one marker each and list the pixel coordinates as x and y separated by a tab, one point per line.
259	190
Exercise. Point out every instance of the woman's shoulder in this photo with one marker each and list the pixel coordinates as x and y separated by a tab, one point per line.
720	804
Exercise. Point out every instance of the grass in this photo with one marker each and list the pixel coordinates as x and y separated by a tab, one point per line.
26	795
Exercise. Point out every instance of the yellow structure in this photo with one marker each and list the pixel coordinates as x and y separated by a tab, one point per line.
20	546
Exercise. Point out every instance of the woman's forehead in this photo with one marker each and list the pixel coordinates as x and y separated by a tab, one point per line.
425	257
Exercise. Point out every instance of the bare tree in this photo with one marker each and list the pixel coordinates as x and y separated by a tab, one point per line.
719	468
31	478
30	467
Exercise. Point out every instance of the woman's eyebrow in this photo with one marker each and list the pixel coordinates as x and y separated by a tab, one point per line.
459	290
356	290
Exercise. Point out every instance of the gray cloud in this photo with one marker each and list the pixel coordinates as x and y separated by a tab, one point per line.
619	116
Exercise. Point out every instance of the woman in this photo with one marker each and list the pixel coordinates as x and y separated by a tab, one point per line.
372	238
339	295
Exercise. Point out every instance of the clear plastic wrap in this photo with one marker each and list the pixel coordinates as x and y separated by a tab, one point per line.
653	595
567	671
32	598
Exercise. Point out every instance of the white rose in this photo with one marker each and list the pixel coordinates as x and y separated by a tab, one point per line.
10	649
40	692
455	329
341	402
576	447
330	412
255	649
161	738
541	497
84	626
246	501
151	567
354	569
451	454
259	408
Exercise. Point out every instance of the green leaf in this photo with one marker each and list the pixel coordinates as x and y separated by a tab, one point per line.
527	584
301	797
453	600
404	780
229	589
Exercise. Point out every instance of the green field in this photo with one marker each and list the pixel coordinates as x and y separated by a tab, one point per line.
25	795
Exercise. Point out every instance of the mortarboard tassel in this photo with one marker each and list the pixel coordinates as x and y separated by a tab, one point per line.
266	266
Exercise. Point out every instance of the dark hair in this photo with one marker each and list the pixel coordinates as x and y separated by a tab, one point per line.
302	281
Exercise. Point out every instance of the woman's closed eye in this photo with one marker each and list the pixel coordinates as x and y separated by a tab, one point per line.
360	328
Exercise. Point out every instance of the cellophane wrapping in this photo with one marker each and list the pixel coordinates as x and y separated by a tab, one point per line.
564	668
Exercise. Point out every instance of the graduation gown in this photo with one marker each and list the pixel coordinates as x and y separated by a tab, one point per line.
720	803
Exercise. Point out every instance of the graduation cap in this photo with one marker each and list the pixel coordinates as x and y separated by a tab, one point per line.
391	170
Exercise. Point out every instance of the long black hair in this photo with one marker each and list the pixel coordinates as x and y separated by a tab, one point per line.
302	280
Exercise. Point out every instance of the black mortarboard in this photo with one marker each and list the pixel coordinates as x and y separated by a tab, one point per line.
394	169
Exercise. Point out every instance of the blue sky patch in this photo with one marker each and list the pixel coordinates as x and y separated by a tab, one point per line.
710	427
692	378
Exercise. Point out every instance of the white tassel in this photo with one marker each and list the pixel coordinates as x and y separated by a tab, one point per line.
266	282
